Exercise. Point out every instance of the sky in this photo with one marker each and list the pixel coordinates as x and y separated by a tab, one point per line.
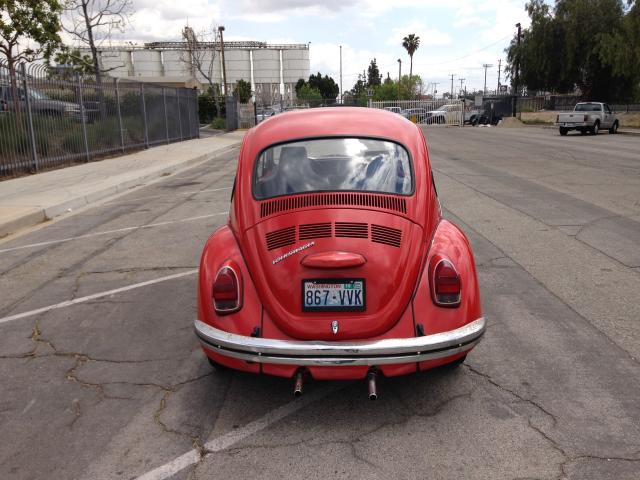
456	36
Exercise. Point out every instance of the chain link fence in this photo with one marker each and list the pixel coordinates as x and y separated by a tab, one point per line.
426	112
53	117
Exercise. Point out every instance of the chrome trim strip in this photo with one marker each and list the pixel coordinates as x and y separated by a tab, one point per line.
363	352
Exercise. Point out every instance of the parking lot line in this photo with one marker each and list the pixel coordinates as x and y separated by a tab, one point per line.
75	301
229	439
107	232
148	197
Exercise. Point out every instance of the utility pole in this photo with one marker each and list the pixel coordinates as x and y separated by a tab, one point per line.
399	75
461	82
340	73
224	67
435	88
485	65
517	75
452	75
499	71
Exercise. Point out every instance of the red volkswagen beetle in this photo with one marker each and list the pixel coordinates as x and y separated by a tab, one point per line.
336	262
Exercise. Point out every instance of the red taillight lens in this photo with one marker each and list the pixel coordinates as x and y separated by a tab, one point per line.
446	284
226	291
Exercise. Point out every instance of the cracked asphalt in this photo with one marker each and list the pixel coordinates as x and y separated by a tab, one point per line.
115	385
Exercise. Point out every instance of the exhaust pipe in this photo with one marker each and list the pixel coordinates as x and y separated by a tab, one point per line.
297	386
371	380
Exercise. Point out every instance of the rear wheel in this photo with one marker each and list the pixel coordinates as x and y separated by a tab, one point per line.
456	363
583	132
596	128
614	128
563	131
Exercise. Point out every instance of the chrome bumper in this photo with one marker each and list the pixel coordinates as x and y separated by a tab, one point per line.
359	352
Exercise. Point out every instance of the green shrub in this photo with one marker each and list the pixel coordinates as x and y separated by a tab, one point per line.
219	123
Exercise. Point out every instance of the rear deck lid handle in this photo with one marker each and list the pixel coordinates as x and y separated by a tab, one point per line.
333	259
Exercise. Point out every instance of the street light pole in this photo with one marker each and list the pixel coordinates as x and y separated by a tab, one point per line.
340	73
452	75
224	67
399	76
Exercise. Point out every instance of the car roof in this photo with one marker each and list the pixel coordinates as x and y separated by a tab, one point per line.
326	122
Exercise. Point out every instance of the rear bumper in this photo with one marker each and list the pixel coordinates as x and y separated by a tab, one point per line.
362	352
574	124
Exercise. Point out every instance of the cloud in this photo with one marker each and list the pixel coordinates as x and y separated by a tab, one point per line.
428	36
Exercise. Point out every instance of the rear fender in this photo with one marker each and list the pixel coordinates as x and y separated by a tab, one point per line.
449	242
221	248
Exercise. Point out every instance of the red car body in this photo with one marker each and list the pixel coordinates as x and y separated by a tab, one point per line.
391	249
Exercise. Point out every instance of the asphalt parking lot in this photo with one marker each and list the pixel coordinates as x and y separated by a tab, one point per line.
102	376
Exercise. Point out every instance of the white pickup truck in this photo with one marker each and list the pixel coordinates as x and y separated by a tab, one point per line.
588	117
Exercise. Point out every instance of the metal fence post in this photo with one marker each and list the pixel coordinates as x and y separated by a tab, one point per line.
179	113
115	81
144	116
196	113
32	133
83	117
166	120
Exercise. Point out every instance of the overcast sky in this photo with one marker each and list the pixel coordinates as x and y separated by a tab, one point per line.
457	36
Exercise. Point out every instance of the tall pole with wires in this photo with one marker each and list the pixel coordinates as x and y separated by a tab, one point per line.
340	73
452	75
485	65
516	79
499	71
399	75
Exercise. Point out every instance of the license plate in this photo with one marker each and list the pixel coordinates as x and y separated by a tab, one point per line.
331	295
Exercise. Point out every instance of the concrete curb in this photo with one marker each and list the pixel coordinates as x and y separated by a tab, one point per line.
37	216
622	131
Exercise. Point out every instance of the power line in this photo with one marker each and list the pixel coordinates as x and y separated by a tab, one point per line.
462	58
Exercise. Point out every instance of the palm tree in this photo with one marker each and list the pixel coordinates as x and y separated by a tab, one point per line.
411	43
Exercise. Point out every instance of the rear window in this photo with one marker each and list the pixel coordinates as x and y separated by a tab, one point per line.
333	164
587	107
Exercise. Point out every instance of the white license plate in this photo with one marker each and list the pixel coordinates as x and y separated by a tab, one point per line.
333	295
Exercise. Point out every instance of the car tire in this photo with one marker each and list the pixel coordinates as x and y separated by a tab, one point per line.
583	131
563	131
614	128
456	363
596	128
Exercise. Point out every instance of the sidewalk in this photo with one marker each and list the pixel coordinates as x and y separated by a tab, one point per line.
27	201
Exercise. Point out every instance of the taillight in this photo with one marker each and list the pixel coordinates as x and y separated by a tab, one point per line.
226	291
446	285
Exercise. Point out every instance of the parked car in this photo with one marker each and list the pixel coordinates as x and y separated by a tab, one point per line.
44	105
449	114
588	117
416	115
264	114
336	262
397	110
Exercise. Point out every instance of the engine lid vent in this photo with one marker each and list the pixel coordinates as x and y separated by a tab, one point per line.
387	235
314	230
387	202
352	230
281	238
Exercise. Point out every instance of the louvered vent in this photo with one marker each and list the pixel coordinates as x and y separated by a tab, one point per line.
281	238
387	202
390	236
352	230
314	230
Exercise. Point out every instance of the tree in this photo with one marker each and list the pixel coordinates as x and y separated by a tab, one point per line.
373	74
327	87
242	91
23	22
72	60
301	83
581	45
92	21
411	43
307	92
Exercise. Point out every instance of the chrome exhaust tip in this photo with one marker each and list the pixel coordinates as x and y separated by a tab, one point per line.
297	386
371	381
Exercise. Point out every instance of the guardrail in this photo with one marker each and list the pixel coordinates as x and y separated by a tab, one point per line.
50	117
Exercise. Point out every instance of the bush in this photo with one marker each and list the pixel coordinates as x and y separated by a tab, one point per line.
219	123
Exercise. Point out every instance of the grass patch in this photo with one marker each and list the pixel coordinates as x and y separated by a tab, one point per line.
219	123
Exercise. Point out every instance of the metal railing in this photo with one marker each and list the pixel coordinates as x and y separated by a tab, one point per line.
52	117
426	112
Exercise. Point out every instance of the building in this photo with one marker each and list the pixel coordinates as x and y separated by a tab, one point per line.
273	70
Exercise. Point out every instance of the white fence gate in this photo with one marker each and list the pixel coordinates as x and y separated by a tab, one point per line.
426	112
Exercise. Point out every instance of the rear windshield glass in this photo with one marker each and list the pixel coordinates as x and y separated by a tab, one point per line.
335	164
587	107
